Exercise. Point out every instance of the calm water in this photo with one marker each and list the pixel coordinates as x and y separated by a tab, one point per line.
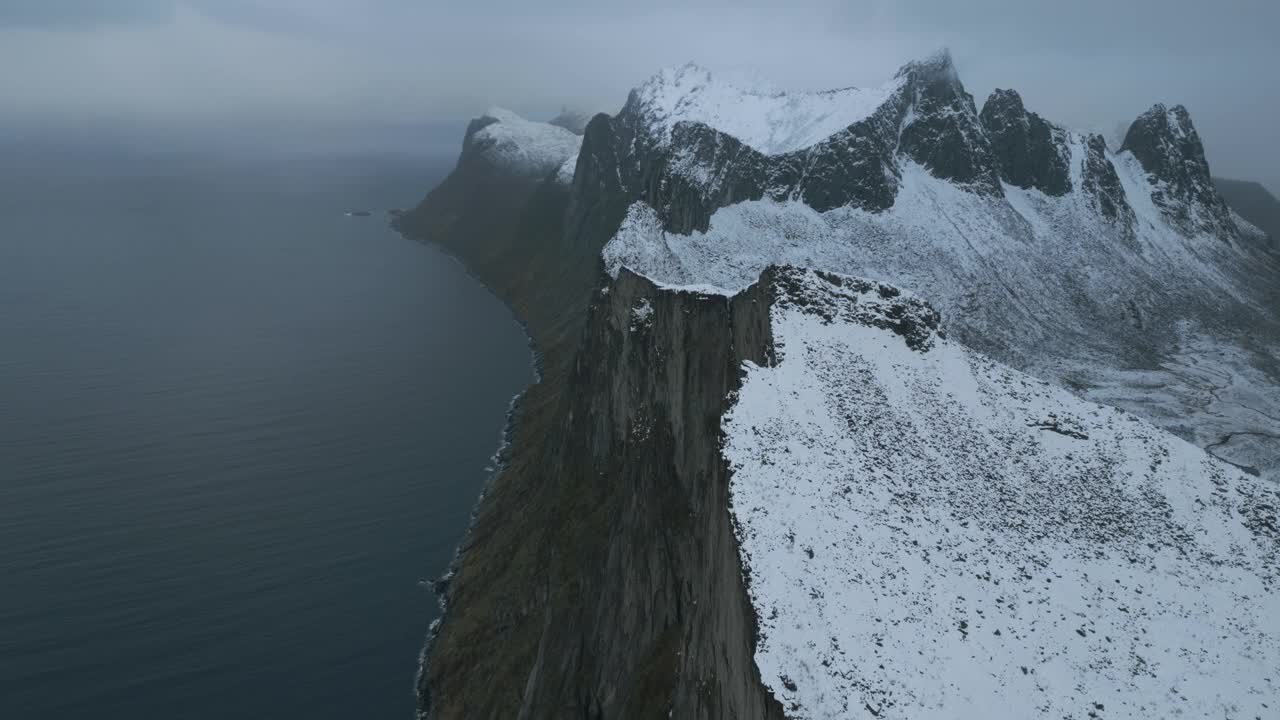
236	429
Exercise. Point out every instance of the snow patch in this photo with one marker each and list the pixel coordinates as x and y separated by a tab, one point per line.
770	120
568	169
641	315
524	147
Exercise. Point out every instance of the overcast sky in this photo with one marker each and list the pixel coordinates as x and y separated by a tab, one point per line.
274	69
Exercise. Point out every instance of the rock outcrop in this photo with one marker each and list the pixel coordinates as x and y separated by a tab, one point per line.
1166	143
1031	152
942	131
1102	184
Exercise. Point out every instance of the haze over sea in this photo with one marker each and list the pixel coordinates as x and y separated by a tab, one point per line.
237	428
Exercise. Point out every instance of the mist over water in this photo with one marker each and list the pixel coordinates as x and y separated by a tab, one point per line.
236	429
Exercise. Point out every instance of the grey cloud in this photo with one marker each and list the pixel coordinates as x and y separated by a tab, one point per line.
81	13
276	63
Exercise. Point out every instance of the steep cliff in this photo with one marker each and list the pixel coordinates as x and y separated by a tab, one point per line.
625	598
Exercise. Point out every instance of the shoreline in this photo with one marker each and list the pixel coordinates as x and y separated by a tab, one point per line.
499	461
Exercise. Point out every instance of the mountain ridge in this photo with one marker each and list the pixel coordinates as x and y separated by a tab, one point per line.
1124	250
593	580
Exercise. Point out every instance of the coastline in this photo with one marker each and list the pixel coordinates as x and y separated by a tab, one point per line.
498	462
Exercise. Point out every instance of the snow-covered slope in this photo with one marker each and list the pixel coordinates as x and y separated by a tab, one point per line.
519	147
929	534
564	176
770	120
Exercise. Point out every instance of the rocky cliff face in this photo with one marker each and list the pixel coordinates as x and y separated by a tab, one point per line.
1102	184
635	606
1031	152
942	132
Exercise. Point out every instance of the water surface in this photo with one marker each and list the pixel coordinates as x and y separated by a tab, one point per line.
236	429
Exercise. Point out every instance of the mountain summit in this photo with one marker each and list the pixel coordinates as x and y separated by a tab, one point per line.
1167	145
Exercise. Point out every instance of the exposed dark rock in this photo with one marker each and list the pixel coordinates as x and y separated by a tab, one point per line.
645	609
600	576
945	134
469	150
1101	182
625	597
1031	152
1166	143
832	296
856	166
930	119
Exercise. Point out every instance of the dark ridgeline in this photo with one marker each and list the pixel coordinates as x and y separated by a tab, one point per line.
600	577
1255	204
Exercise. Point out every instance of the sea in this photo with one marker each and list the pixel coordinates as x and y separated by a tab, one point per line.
240	432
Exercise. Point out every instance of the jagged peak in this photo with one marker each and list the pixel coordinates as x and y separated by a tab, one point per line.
1095	140
938	66
942	131
1031	151
1165	143
1160	121
1002	98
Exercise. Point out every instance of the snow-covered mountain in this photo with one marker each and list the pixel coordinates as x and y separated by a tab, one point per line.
750	484
1119	272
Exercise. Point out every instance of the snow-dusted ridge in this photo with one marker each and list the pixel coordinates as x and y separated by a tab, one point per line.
929	534
765	118
521	147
